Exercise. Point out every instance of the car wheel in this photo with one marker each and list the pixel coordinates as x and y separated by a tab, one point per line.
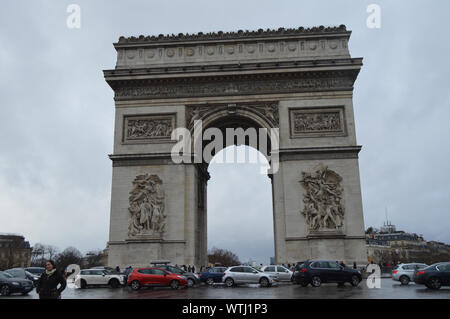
229	282
114	283
304	284
434	283
83	284
404	280
316	281
264	282
174	284
4	290
190	282
210	281
135	285
355	281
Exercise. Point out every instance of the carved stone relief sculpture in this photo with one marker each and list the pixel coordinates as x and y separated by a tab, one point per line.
266	110
140	128
147	215
323	208
317	122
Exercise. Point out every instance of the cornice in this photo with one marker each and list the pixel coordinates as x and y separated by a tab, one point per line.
233	35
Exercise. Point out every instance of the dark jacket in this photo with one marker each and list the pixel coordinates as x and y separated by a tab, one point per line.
47	286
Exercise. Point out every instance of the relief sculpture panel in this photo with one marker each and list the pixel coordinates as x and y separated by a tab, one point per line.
148	128
323	208
317	122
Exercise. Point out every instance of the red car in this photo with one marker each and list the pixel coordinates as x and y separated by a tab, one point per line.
155	277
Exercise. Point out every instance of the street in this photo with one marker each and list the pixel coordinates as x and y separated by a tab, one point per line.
389	290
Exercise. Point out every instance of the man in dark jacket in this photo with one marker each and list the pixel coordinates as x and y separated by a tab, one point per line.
47	285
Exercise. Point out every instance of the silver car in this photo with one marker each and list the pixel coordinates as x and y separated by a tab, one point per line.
247	275
405	272
281	272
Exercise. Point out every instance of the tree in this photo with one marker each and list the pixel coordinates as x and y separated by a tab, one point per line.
41	253
38	255
69	256
223	257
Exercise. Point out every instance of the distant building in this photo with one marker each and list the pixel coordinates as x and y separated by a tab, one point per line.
14	251
391	246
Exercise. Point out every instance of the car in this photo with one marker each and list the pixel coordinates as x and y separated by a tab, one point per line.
192	279
37	271
247	275
23	274
99	277
282	272
212	275
155	277
109	269
9	284
405	272
434	276
316	272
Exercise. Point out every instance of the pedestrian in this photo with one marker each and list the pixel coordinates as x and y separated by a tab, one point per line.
184	268
118	269
47	285
354	265
127	273
193	268
189	268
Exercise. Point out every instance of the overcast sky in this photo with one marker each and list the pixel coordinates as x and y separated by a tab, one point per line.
57	115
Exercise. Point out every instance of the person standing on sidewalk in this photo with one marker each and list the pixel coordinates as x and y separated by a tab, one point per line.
47	285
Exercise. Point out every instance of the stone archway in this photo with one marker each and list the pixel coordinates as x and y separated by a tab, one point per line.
299	81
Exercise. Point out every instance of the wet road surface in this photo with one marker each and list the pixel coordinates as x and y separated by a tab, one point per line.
389	290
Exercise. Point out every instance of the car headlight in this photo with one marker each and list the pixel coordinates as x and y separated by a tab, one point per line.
182	277
15	283
196	276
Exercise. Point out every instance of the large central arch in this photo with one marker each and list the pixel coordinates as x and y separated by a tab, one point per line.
297	81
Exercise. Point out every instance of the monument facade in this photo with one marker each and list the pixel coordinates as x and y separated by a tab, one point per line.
299	81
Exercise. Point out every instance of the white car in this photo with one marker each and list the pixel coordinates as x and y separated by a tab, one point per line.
281	272
99	277
247	275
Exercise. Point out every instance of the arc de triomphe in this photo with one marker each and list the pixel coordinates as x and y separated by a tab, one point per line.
297	80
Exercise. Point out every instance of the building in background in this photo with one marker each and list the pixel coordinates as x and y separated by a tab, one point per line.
391	246
15	251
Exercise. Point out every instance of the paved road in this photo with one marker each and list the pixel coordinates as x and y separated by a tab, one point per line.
389	289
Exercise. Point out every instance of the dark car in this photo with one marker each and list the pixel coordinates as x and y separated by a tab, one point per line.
212	275
23	274
434	276
192	279
316	272
10	285
37	271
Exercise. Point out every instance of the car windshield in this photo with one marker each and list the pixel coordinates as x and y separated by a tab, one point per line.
432	266
5	275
